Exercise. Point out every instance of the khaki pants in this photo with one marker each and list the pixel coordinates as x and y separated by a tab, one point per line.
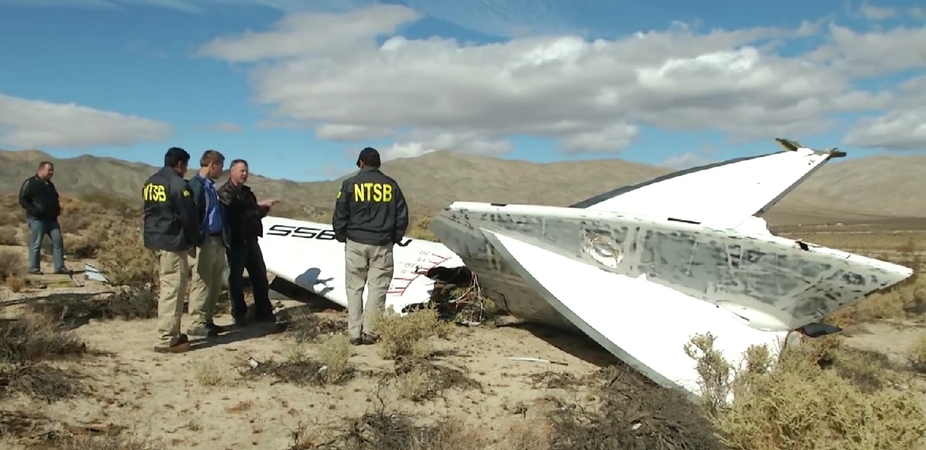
209	270
173	268
366	264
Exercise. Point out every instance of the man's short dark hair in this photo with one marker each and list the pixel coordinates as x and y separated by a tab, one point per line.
370	157
235	162
45	163
175	156
211	157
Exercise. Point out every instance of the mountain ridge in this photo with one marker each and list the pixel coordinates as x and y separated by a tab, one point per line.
869	188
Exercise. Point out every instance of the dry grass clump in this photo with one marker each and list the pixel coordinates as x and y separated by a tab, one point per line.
408	335
26	346
12	266
9	235
383	429
421	229
630	412
917	354
419	379
332	366
93	441
796	403
77	309
125	260
307	327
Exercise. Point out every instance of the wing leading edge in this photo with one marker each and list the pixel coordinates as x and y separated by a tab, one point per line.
628	316
723	195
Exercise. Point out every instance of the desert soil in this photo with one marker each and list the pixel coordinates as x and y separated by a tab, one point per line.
199	399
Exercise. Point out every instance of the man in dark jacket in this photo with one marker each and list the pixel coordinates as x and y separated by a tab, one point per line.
244	214
208	260
171	230
39	198
370	216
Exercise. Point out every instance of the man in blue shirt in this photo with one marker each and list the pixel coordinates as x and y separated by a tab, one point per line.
209	263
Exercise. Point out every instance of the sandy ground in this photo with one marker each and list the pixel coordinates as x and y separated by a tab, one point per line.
199	399
164	396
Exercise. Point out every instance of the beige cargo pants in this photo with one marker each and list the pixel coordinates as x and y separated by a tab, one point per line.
209	270
173	271
366	264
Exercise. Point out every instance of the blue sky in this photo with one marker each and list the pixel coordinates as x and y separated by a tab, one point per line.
298	91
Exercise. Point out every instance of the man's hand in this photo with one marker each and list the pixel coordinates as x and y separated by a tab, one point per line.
267	203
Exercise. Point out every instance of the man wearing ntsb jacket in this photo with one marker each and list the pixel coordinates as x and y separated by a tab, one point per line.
208	260
370	217
171	230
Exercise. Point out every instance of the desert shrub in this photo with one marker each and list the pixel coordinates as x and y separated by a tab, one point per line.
631	412
796	403
384	429
420	229
12	264
10	219
26	344
124	259
298	367
76	309
308	327
109	202
407	335
418	379
335	354
9	235
917	354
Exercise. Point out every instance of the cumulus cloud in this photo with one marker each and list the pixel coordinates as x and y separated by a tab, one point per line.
902	128
41	124
876	12
352	76
873	53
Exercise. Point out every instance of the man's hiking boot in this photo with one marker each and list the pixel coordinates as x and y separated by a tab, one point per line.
179	344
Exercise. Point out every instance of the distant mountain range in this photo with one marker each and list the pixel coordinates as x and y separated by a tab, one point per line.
879	188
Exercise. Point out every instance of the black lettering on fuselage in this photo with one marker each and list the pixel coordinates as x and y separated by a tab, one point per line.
311	233
373	192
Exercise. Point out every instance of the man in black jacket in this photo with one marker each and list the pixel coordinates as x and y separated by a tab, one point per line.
39	198
171	230
370	216
244	214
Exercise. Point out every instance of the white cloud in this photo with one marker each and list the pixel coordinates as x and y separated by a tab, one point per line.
876	12
41	124
873	53
328	71
902	128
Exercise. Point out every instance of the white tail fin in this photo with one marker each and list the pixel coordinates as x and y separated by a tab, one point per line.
722	195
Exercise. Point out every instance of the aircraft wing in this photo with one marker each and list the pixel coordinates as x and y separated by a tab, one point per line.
642	323
721	195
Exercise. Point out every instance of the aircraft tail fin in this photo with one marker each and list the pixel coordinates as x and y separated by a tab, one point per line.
721	195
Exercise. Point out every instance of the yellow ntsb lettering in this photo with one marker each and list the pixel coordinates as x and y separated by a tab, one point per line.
373	192
155	193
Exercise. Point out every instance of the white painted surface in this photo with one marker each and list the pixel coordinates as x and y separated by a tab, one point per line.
645	321
723	196
318	265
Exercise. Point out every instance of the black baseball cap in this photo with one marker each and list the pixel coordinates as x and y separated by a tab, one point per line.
369	156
